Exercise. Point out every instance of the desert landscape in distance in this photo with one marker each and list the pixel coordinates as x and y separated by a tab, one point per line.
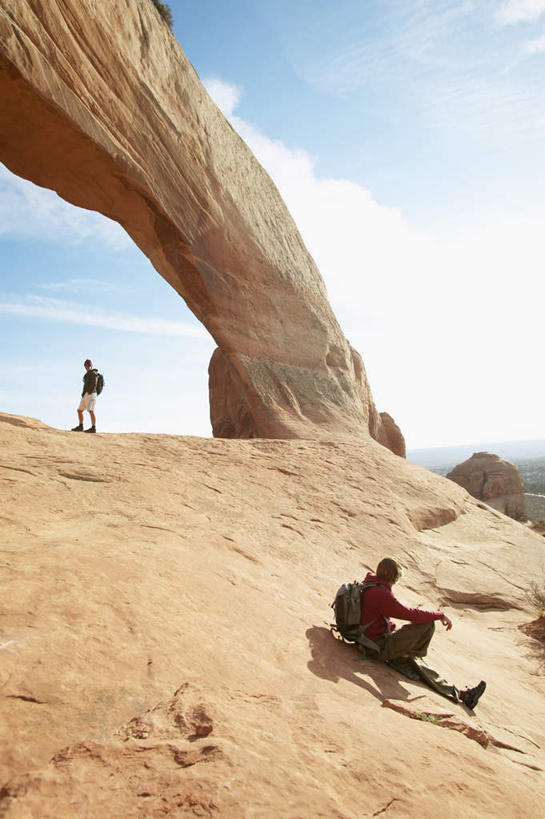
165	643
165	620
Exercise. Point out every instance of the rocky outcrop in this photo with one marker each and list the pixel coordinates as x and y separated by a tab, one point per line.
390	435
100	104
493	480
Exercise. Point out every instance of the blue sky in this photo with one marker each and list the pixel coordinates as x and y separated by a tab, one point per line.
407	140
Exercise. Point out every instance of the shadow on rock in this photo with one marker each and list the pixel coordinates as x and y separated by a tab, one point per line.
334	660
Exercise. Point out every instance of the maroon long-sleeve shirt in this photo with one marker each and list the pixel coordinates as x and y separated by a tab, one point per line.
379	604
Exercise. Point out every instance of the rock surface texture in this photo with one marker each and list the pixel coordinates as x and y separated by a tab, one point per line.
493	480
100	104
164	648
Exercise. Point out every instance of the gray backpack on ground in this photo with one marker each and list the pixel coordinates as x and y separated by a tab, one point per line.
347	609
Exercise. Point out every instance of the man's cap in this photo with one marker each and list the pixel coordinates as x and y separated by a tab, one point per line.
88	361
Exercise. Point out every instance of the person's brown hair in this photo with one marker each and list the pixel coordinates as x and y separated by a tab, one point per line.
388	569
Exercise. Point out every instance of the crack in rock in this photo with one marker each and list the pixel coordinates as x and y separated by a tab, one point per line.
479	735
18	469
73	476
386	807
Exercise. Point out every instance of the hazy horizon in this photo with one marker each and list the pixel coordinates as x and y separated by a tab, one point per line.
449	456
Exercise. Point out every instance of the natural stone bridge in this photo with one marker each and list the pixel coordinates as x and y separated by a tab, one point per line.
100	104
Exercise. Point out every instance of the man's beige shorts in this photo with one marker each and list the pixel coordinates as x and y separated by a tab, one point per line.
88	402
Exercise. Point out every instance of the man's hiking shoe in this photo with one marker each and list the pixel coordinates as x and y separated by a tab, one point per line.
405	667
79	428
91	429
471	696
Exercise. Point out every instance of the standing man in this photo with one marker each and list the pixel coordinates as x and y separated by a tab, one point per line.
399	647
88	397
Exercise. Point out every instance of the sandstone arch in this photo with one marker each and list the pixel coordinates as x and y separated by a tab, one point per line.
100	104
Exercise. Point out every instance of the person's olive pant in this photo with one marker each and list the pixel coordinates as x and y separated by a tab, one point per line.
412	641
408	641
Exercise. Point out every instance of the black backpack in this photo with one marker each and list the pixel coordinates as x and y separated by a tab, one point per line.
347	608
100	383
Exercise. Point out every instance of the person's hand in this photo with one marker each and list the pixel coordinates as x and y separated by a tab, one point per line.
447	622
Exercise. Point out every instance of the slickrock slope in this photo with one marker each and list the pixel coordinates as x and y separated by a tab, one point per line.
489	478
100	104
164	647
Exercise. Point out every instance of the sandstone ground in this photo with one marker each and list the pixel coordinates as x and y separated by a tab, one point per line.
164	647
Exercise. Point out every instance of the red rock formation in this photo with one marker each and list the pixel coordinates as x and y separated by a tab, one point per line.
493	480
100	104
390	435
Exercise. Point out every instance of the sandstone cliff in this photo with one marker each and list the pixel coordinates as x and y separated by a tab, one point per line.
164	644
489	478
100	104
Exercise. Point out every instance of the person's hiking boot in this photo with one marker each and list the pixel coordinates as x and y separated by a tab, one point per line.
471	696
79	428
91	429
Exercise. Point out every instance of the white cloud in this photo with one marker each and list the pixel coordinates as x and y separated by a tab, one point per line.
28	211
58	310
518	11
357	243
225	95
375	263
535	46
449	325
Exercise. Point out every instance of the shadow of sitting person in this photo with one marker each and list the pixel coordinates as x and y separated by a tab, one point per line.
334	660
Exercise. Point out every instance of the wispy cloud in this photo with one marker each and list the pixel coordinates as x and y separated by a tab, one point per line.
534	46
59	310
80	286
520	11
436	66
403	40
27	211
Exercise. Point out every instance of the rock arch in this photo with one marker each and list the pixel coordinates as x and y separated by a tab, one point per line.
100	104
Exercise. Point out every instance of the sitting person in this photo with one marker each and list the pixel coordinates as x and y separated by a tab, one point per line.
410	641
